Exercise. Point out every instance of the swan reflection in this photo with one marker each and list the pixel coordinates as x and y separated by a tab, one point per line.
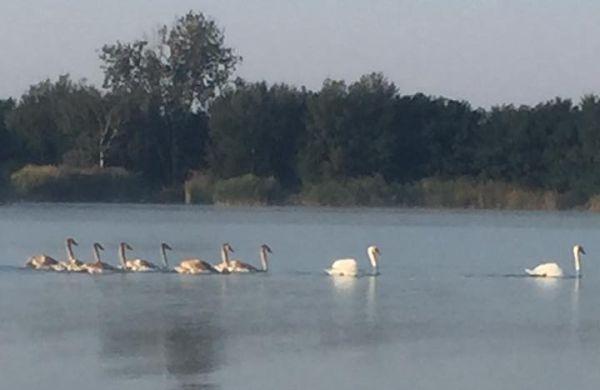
173	340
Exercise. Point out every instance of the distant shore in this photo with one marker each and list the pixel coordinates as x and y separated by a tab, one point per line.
116	185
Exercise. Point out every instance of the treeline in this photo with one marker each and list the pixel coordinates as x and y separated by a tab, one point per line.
170	115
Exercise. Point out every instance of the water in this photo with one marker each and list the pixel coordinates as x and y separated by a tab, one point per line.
448	311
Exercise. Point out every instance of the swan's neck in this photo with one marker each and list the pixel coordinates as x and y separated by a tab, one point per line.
577	262
264	260
122	257
96	255
373	260
164	257
225	256
70	255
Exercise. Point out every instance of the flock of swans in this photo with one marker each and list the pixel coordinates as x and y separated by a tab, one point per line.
193	266
187	266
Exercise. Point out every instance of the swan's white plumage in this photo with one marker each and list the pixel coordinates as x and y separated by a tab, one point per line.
553	270
548	270
343	267
349	267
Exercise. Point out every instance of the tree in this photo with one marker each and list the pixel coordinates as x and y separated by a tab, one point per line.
176	78
256	129
7	139
56	122
351	131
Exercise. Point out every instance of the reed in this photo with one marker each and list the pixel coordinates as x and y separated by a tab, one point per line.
68	184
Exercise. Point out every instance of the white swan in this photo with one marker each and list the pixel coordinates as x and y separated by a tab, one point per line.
553	270
349	267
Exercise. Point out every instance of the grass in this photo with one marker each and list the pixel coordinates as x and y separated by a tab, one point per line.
67	184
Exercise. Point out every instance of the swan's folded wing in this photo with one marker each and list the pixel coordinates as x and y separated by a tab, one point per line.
341	267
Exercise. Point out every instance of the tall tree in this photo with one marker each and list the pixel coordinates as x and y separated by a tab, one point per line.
7	141
56	122
256	129
177	77
351	131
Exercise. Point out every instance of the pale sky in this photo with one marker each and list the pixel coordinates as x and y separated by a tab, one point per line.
487	52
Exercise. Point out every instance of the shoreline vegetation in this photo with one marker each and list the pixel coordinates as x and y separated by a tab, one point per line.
114	185
172	123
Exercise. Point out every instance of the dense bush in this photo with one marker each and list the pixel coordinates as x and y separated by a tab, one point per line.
199	188
467	193
362	191
248	190
52	183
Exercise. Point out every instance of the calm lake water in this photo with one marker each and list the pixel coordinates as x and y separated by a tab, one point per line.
449	310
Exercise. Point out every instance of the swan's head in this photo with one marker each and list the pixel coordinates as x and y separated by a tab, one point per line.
166	246
374	254
265	248
228	248
71	241
97	246
125	245
578	249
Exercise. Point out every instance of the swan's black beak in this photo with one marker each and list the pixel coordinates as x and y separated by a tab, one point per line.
582	250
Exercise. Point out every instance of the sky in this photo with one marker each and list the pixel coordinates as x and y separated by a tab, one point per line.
488	52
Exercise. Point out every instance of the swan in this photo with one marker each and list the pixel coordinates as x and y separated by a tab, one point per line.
98	267
136	265
198	266
349	267
43	262
224	266
163	253
72	264
553	270
239	266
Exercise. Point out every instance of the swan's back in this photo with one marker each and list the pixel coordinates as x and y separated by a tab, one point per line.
241	267
194	266
548	270
139	265
343	267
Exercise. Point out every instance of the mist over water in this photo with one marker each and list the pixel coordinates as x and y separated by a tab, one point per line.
447	310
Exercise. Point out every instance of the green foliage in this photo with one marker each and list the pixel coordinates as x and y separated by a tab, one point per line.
256	129
467	193
361	191
248	190
171	82
169	109
199	189
55	118
52	183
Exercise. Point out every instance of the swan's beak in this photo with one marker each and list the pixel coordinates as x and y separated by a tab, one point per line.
582	250
129	247
100	247
167	246
74	242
